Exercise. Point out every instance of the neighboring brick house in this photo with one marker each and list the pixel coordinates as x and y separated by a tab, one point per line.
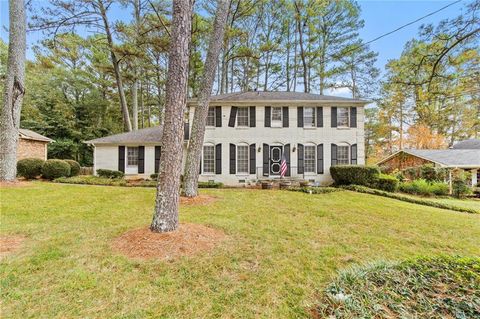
32	145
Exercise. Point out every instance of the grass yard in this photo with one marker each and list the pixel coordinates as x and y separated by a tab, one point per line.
282	249
465	203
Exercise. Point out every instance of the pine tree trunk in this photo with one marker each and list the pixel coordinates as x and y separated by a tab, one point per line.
13	92
201	111
165	217
135	103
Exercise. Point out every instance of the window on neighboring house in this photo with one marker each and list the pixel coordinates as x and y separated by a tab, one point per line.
208	159
276	117
211	116
132	156
309	158
342	155
242	159
342	116
308	117
242	116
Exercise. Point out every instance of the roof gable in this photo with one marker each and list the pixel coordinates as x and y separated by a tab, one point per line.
31	135
145	135
447	158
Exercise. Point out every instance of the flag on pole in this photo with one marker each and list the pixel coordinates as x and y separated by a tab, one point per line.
283	166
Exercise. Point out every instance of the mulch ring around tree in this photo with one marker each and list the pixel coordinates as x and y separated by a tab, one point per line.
187	240
10	244
197	200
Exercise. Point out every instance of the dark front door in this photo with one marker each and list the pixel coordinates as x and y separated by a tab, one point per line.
275	160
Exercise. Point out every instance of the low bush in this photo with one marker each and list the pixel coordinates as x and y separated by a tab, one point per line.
210	185
427	172
387	183
55	168
108	173
460	188
91	180
355	174
426	287
30	167
424	188
74	167
154	176
419	201
314	190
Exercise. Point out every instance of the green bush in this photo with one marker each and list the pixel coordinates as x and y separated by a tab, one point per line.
424	188
30	167
107	173
55	168
154	176
355	174
91	180
460	188
210	185
387	183
74	167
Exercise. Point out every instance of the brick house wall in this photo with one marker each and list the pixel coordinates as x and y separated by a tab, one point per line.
402	161
31	149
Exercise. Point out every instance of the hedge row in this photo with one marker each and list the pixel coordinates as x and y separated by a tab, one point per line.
31	168
314	190
426	202
363	175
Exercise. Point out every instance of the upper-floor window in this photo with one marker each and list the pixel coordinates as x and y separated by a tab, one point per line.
242	116
309	117
309	158
276	117
242	159
208	159
211	116
342	155
342	117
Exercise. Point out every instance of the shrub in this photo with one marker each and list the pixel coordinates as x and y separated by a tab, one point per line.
424	188
74	167
154	176
460	187
30	167
210	185
55	168
387	183
107	173
439	189
354	174
91	180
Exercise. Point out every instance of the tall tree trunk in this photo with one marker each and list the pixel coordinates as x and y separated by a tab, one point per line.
13	92
135	102
165	217
302	49
137	8
140	106
201	111
116	68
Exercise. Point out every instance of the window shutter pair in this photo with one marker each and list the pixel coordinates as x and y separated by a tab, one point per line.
141	159
300	156
233	159
233	116
286	152
218	116
353	154
158	153
121	159
320	159
266	159
334	154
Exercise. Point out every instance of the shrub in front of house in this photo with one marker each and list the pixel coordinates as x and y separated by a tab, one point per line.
55	168
210	185
154	176
387	183
74	167
30	168
91	180
108	173
427	172
355	174
460	188
424	188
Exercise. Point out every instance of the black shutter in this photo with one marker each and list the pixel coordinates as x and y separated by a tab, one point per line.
353	117
286	151
300	168
285	116
268	119
218	159
121	158
319	116
253	117
353	155
266	159
334	155
141	159
158	153
320	159
218	116
300	116
233	116
186	131
253	159
233	150
334	117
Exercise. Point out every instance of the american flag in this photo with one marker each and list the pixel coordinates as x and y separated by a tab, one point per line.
283	166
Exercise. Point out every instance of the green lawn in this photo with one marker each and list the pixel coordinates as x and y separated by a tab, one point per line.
464	203
282	249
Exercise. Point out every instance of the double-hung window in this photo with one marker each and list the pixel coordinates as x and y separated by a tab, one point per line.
342	117
342	155
308	117
211	116
242	117
276	117
208	159
309	158
242	159
132	156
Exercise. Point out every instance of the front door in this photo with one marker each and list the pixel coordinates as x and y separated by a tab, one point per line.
275	160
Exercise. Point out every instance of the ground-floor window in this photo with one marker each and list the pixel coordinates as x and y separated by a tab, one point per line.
342	155
242	159
208	159
132	156
309	158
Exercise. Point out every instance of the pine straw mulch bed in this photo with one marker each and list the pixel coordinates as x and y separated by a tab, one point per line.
187	240
428	287
197	200
10	244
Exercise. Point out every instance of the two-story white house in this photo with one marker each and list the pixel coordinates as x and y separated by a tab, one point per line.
247	135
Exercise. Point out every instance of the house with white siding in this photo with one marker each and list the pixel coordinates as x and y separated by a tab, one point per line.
249	133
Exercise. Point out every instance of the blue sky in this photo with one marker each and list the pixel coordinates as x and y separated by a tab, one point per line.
380	17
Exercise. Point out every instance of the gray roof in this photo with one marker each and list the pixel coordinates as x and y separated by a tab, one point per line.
470	144
280	96
450	157
145	135
31	135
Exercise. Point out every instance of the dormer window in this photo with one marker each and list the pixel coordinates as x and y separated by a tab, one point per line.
276	117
